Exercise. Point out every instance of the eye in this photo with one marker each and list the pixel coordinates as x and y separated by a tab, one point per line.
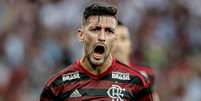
109	30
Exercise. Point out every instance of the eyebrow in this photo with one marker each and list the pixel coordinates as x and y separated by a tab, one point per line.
97	26
94	27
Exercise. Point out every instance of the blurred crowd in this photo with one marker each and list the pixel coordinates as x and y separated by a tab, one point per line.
38	38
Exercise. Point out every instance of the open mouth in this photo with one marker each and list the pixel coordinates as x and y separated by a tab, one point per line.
98	51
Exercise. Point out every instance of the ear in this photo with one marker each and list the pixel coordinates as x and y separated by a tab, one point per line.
80	34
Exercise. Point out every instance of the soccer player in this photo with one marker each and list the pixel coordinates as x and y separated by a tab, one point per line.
97	76
123	50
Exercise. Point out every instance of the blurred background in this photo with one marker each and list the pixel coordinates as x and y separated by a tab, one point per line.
38	38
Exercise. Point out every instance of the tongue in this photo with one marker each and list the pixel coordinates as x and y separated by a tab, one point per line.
97	56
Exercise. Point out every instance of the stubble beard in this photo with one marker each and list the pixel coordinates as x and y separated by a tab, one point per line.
96	63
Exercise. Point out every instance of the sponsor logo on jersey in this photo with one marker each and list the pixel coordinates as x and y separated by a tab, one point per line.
116	93
121	76
71	76
75	93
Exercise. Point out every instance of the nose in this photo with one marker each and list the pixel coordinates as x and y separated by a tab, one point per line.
102	36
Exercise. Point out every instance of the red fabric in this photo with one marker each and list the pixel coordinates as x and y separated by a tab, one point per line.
92	87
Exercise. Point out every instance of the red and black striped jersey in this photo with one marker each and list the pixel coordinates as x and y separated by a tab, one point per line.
117	83
150	73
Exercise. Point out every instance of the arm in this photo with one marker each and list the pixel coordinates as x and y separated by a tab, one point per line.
47	95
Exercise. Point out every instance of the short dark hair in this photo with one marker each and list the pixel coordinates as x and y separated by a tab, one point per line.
98	9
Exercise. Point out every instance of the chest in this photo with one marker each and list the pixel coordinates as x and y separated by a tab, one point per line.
111	87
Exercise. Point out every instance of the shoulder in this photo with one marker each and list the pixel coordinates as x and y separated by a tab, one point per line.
57	78
144	68
134	74
147	71
55	83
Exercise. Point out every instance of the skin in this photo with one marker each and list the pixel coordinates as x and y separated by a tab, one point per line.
99	30
122	48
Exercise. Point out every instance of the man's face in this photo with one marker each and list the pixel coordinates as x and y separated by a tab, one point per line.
98	36
122	48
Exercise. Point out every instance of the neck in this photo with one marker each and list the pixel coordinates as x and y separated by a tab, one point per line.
96	69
